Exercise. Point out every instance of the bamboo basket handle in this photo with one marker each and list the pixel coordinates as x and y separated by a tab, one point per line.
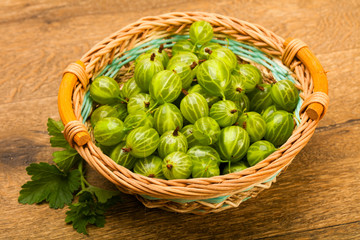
316	109
74	73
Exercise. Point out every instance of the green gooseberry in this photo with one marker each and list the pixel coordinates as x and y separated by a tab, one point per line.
182	46
233	143
188	131
226	56
102	112
172	141
258	151
213	77
260	98
167	118
208	97
140	102
105	90
198	153
236	88
142	142
130	89
150	166
234	167
109	131
285	95
279	127
177	165
145	71
243	104
160	55
186	57
139	119
254	124
194	106
121	109
205	168
268	112
184	71
224	112
165	87
201	32
250	74
206	130
123	157
206	49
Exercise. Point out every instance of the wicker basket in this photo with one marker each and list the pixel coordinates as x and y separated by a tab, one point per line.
252	43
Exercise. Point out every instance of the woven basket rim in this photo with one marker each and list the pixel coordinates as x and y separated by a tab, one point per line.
124	39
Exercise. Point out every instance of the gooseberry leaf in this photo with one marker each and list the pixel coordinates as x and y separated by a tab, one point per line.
57	138
49	184
66	159
102	195
88	211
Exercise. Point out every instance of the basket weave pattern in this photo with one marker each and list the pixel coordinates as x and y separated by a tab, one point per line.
232	185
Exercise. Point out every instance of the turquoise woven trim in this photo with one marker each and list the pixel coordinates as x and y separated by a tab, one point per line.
209	200
86	107
247	198
216	200
272	178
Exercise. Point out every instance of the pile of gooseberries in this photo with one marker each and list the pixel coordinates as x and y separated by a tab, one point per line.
199	113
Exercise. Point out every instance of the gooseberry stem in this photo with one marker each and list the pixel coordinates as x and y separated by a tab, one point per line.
126	149
261	88
151	175
208	50
184	92
152	108
239	89
233	111
169	166
193	65
152	57
176	132
122	99
161	48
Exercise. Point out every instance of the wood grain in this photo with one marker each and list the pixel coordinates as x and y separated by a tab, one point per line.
316	198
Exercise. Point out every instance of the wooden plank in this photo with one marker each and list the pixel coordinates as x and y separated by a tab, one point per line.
339	232
317	191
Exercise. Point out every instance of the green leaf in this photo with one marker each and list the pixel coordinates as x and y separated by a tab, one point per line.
55	129
66	159
49	184
88	211
102	195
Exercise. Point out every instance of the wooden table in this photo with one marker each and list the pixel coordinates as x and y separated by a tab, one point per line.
317	197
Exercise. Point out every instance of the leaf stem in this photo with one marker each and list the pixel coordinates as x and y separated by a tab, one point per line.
82	177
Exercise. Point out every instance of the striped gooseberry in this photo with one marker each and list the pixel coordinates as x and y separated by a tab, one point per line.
254	125
224	112
145	71
109	131
142	142
258	151
177	165
172	141
279	127
150	166
206	131
167	117
233	143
